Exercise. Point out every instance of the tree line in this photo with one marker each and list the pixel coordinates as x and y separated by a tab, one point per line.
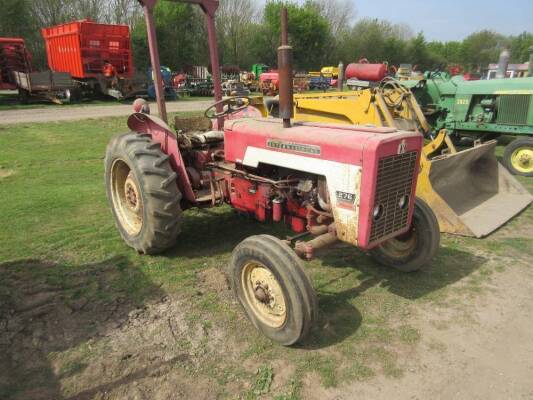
322	32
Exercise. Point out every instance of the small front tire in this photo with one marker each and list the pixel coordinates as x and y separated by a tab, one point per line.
518	157
269	281
415	249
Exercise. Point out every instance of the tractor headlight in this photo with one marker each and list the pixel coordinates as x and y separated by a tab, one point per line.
377	212
403	202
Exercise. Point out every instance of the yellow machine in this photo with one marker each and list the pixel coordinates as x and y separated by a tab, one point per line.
328	72
470	192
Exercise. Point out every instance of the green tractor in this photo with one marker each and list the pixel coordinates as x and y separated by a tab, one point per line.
482	110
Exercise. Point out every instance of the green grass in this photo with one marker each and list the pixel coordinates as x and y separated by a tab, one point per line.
57	228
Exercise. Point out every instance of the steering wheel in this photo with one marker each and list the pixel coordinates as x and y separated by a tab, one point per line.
241	102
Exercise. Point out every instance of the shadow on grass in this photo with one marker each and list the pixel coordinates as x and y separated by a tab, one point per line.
211	232
339	319
450	266
46	307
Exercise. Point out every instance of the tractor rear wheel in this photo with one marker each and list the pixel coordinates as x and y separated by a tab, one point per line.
269	281
143	194
518	157
415	249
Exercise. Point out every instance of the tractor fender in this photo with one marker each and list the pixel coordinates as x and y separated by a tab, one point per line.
162	133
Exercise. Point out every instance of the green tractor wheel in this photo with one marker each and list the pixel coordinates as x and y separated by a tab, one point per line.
518	157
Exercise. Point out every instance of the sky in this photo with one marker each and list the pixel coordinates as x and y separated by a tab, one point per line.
446	20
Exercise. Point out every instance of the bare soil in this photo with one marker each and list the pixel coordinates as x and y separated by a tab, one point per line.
56	114
481	349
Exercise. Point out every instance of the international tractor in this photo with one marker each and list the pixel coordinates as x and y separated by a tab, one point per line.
329	183
469	191
483	109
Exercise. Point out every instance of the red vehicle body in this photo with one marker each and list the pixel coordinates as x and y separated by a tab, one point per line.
13	58
85	48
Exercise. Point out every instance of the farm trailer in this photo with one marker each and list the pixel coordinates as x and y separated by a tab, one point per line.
16	73
97	56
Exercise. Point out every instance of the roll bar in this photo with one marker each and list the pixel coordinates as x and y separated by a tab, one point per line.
209	7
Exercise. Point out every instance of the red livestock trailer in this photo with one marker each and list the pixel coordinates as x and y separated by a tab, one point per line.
99	56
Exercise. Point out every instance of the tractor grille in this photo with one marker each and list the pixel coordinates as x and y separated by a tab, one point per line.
513	109
395	179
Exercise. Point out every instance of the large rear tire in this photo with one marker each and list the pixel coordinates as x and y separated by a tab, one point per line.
269	281
415	249
518	157
143	194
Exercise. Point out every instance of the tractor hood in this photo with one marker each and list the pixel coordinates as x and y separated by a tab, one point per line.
339	143
496	86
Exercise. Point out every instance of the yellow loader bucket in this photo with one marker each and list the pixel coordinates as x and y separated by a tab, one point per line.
471	193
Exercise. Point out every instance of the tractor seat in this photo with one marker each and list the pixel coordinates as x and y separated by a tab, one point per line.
192	125
207	137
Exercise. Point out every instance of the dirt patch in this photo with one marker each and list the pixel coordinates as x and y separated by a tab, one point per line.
213	279
56	114
59	342
488	355
4	173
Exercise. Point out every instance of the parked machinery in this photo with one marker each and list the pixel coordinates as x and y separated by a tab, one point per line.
97	56
469	191
13	57
16	73
269	82
166	73
363	74
353	184
482	110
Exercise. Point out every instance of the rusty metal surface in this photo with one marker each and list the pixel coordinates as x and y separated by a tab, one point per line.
340	82
286	109
308	249
154	57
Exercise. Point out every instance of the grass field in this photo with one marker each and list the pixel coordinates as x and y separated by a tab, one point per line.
88	316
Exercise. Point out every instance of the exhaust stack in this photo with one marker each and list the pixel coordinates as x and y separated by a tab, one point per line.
340	83
503	63
286	109
530	69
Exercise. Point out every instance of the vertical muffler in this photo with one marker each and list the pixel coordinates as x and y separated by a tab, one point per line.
286	109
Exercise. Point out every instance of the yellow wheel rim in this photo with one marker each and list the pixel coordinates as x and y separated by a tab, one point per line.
522	160
126	198
263	294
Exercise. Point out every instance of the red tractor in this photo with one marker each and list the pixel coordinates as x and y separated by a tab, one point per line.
330	182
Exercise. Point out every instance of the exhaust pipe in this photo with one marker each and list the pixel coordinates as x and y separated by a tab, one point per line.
286	108
530	69
340	82
503	63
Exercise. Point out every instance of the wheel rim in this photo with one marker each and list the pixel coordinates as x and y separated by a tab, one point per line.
264	294
401	246
126	197
522	160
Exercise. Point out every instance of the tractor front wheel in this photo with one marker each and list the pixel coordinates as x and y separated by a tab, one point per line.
518	157
269	281
415	249
143	194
